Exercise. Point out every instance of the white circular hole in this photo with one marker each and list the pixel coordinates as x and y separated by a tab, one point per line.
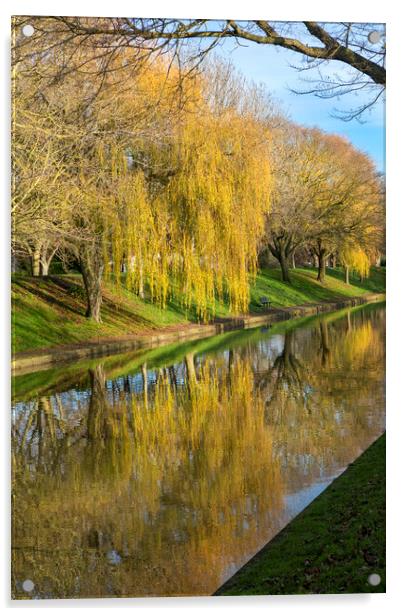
374	37
374	579
28	30
28	585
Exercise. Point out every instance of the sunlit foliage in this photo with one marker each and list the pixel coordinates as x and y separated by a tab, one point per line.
356	260
155	182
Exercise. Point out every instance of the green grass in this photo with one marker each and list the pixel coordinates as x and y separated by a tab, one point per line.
333	545
49	312
33	384
305	288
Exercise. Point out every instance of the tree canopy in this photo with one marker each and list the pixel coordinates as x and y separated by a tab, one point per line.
146	185
168	177
318	44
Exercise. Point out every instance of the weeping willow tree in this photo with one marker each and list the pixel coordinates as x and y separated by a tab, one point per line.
221	193
190	220
161	192
355	259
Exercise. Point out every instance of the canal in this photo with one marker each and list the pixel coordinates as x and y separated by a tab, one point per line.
161	473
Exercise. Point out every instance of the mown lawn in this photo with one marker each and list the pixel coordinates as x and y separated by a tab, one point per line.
333	546
50	311
305	288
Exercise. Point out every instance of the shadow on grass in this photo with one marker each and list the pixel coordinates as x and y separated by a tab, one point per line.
376	283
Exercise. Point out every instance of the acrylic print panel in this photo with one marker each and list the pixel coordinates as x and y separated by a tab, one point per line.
198	307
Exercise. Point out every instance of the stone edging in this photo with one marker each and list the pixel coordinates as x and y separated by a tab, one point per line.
39	360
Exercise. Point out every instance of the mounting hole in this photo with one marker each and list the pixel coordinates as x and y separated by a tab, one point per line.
374	579
28	30
28	585
374	37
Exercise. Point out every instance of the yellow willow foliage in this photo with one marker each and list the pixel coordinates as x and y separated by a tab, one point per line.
362	342
361	348
218	197
135	228
175	195
356	259
200	231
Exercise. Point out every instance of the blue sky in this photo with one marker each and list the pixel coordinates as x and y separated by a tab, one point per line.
271	65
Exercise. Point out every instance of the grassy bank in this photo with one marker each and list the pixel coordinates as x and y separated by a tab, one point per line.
37	383
333	546
50	311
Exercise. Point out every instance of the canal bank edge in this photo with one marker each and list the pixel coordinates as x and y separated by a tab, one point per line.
30	361
335	545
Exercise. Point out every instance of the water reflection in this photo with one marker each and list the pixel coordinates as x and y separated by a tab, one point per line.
166	479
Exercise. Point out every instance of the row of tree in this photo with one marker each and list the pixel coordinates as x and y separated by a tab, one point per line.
328	198
172	180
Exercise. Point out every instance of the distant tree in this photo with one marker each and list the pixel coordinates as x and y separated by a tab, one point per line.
326	195
349	208
297	182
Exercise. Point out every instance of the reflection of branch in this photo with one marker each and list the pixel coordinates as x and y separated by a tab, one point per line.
97	411
288	375
324	342
38	439
145	384
191	373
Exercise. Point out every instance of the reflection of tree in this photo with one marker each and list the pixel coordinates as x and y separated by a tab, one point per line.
162	492
97	417
325	350
287	377
145	384
191	373
182	489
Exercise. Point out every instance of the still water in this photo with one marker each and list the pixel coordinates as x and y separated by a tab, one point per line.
162	473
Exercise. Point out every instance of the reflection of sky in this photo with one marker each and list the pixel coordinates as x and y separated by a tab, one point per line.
297	501
272	66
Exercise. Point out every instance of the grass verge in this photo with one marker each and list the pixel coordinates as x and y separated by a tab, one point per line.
38	383
49	312
333	546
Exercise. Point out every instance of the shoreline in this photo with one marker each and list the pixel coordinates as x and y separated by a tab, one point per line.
30	361
333	545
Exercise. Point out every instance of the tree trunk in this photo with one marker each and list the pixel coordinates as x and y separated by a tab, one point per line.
287	349
36	260
284	267
98	407
281	249
324	342
347	275
91	264
191	374
141	282
321	266
190	367
45	260
293	260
